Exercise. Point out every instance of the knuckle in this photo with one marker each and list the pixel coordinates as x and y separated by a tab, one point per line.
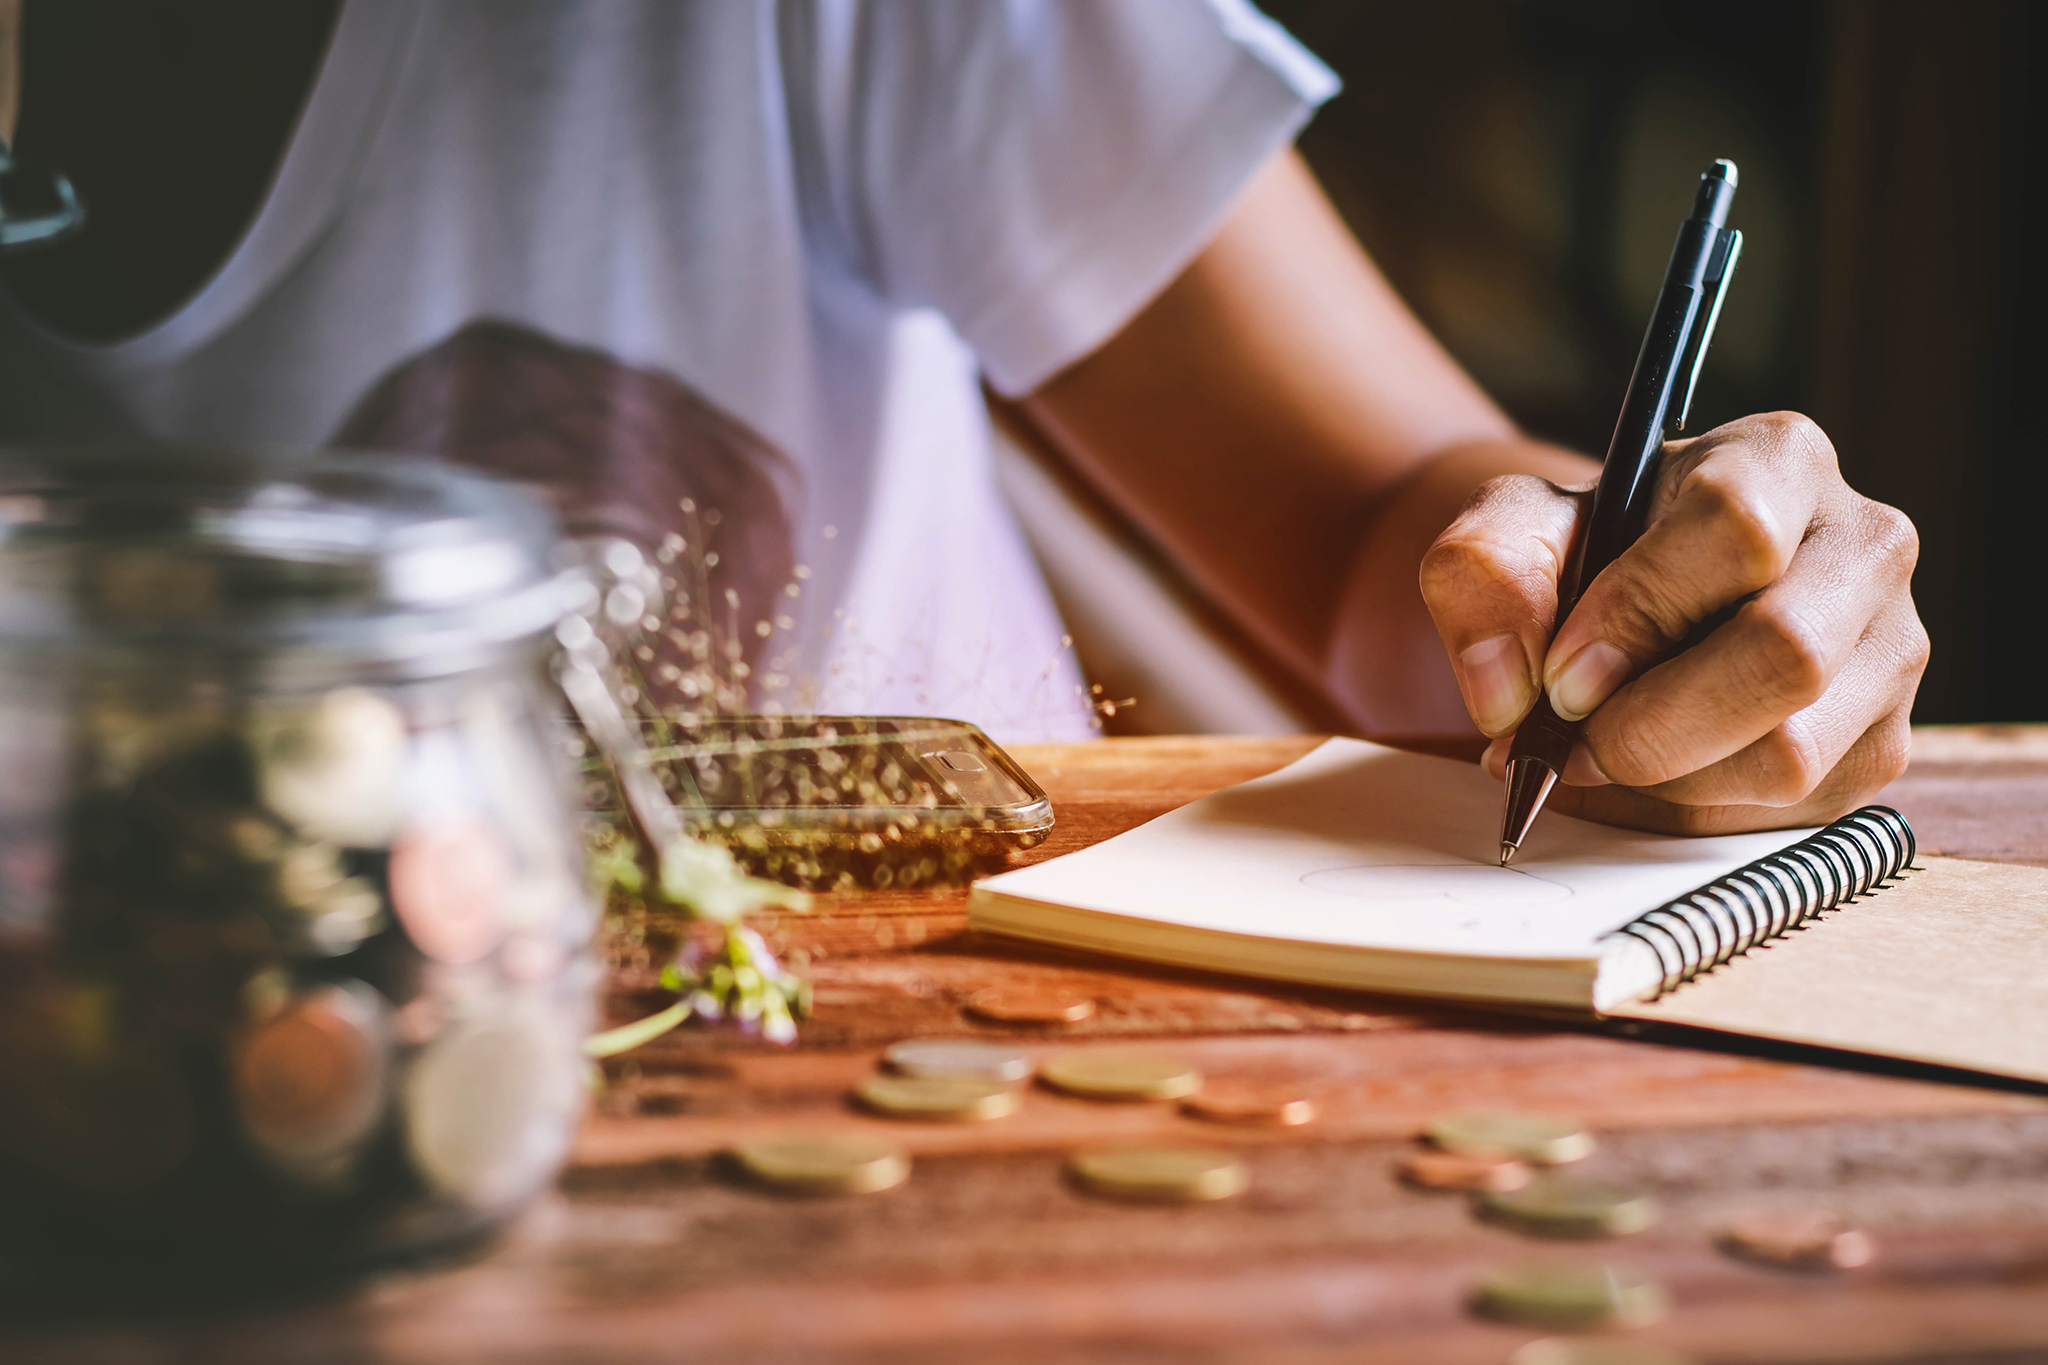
1637	757
1804	436
1481	553
1498	487
1648	625
1891	539
1788	661
1643	604
1510	493
1744	523
1790	764
1892	749
1919	647
1450	568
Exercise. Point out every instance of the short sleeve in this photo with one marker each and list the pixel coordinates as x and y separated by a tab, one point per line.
1037	170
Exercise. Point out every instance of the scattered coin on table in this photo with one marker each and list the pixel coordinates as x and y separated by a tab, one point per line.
1043	1005
959	1057
1594	1351
824	1163
1556	1206
1456	1171
1570	1296
937	1097
1120	1075
1797	1239
1544	1139
1162	1175
1261	1103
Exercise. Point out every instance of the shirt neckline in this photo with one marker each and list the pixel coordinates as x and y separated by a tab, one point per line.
322	158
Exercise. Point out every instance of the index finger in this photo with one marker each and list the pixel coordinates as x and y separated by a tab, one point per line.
1745	496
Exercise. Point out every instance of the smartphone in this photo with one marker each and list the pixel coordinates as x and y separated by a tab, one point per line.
845	801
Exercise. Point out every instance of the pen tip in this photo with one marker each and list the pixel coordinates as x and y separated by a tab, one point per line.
1507	851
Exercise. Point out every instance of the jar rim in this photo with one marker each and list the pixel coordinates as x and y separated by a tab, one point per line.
282	559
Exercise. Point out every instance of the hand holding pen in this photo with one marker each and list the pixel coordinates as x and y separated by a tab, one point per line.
1720	637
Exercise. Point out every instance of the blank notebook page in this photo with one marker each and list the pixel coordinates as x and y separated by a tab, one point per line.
1368	847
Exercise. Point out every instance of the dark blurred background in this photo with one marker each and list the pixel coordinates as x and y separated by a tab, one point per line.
1519	167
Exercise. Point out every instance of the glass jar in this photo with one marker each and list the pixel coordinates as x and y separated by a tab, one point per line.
294	929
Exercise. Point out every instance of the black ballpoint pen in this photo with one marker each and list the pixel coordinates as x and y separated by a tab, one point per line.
1695	283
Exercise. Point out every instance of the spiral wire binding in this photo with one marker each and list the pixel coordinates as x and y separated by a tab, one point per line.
1725	918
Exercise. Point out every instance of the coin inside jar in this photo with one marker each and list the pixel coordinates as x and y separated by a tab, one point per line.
1570	1296
959	1057
823	1163
1257	1103
334	768
309	1082
937	1097
1797	1239
1165	1175
1120	1075
1456	1171
448	880
1556	1207
1041	1005
490	1106
1544	1139
1594	1351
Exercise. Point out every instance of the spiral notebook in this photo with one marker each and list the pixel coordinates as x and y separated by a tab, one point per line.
1367	867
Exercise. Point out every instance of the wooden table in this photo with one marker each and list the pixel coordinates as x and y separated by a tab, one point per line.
651	1250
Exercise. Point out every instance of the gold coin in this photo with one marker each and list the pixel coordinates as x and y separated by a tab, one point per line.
1545	1139
1588	1351
1043	1005
1556	1207
959	1057
1456	1171
1797	1239
936	1097
824	1163
1116	1075
1570	1296
1264	1103
1165	1175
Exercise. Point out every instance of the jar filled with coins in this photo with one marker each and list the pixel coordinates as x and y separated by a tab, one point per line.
294	929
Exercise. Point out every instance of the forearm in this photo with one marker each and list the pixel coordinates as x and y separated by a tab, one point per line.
1381	661
1267	415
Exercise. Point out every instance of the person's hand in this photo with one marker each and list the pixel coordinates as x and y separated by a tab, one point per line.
1790	710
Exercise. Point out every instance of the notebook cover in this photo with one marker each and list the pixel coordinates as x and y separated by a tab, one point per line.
1946	965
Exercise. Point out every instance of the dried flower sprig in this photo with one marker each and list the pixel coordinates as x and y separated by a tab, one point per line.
740	980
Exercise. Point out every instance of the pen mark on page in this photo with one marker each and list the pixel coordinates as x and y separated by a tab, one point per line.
1437	886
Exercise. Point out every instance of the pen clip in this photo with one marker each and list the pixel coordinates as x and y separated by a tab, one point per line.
1720	270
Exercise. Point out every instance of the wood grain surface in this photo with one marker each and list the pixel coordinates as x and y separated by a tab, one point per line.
651	1248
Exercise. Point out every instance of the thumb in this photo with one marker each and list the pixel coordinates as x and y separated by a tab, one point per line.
1490	582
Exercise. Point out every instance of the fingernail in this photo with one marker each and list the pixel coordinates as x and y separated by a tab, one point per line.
1497	683
1589	679
1581	769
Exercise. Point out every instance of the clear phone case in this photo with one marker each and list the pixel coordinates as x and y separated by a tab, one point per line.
849	800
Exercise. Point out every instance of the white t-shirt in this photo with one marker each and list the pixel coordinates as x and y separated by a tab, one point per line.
723	276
